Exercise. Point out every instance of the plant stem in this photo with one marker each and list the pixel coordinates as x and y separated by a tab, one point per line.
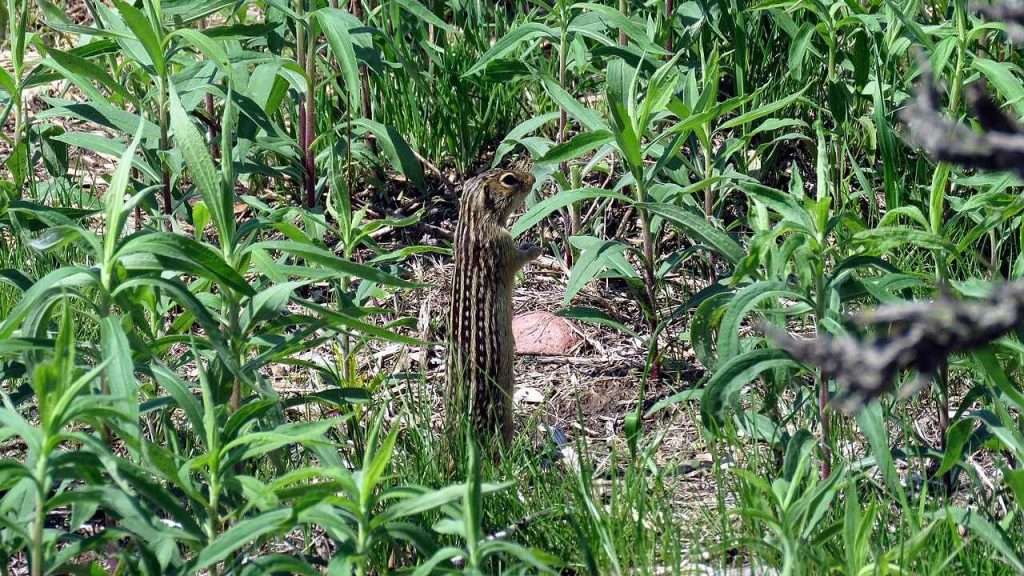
165	172
936	207
669	13
622	32
563	121
348	368
40	513
364	74
236	344
709	192
309	128
820	303
16	24
212	516
649	277
210	111
304	130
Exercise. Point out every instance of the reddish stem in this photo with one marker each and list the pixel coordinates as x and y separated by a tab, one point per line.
309	135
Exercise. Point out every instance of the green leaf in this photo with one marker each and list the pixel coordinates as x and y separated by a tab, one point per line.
205	176
563	198
1007	84
328	260
905	16
577	146
765	110
994	373
332	397
990	533
175	289
745	300
722	389
660	90
121	370
957	436
595	316
381	458
595	257
618	95
616	20
526	127
241	534
181	253
107	147
683	396
798	50
278	564
13	423
18	163
405	252
885	238
337	25
114	201
268	302
7	83
183	396
212	49
871	424
83	72
510	41
398	151
334	318
144	33
588	118
99	113
1015	480
702	326
259	443
538	559
698	228
443	555
66	276
783	204
417	9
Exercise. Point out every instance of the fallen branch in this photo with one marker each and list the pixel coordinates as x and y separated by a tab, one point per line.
1012	13
922	336
999	147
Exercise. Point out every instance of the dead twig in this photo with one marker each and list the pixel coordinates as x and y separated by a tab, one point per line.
924	334
1012	13
999	147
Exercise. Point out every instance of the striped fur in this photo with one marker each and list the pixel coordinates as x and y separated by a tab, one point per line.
481	346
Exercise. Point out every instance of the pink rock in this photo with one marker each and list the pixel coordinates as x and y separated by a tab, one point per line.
543	334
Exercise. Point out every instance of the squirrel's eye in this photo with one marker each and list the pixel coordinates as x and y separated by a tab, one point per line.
509	180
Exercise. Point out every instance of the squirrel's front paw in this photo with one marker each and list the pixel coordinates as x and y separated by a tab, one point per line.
529	251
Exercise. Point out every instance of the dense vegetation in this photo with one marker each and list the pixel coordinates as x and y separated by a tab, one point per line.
220	224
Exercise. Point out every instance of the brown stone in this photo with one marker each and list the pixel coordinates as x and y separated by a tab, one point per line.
543	334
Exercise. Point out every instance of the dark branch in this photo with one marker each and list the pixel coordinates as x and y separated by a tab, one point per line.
1012	13
999	147
922	336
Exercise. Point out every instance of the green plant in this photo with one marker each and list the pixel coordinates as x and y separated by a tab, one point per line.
480	554
204	350
13	83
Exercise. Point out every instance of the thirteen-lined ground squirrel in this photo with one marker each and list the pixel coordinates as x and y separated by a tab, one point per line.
481	348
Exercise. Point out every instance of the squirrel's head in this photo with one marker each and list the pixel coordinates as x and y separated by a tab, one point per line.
496	194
